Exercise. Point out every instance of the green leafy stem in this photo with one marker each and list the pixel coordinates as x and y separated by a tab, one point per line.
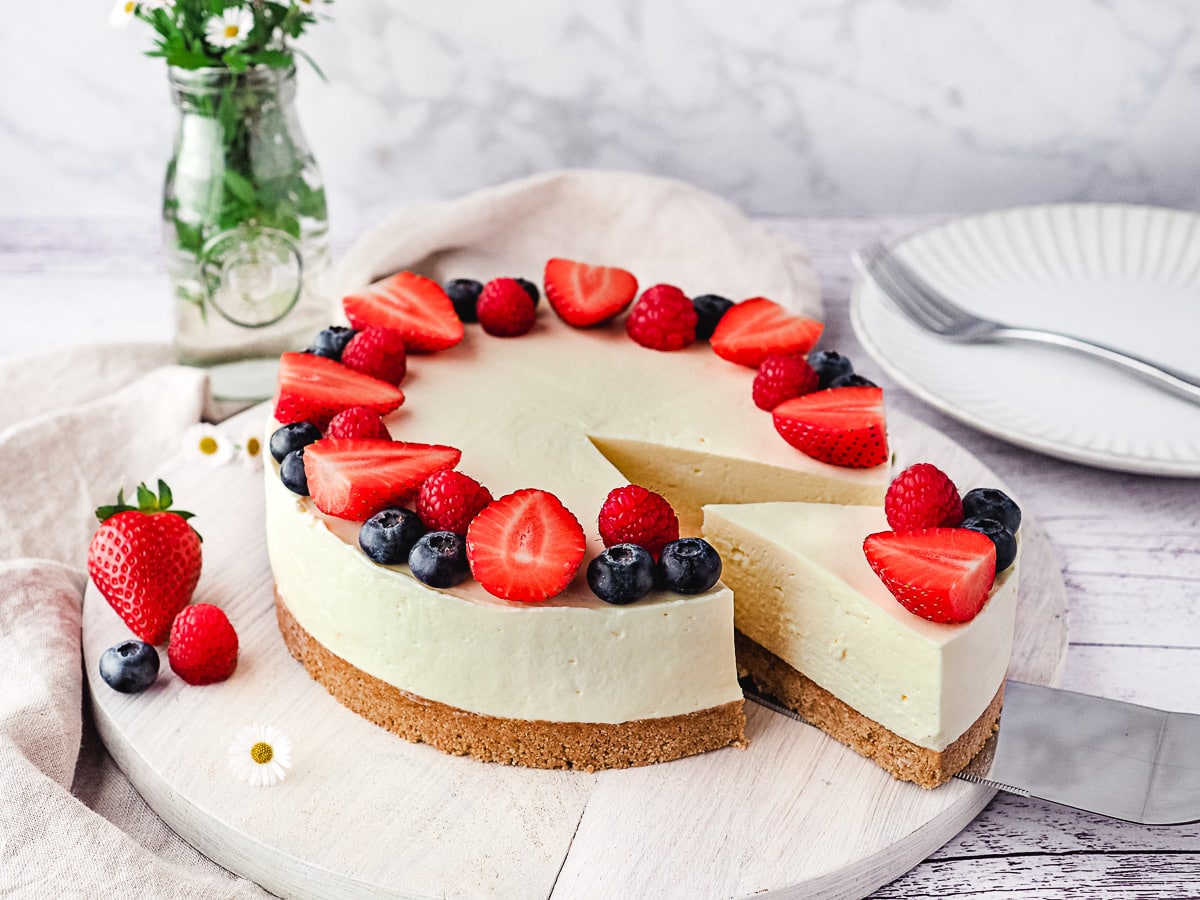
257	172
181	33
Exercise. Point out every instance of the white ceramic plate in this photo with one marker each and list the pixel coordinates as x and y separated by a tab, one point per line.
1127	276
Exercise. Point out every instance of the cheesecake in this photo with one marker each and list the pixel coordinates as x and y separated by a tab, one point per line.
570	682
575	415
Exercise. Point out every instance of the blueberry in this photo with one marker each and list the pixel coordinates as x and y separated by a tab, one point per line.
439	559
989	503
129	667
292	437
531	289
1006	544
852	380
709	310
622	573
388	536
829	365
291	473
689	566
332	341
464	294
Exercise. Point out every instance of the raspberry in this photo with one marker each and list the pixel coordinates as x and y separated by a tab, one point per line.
634	515
662	319
922	496
379	352
780	377
357	422
505	309
204	646
449	500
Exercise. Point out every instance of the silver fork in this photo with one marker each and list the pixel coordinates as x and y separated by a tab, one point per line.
934	312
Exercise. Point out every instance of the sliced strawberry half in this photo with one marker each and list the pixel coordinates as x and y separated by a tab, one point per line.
314	389
584	295
412	304
840	426
354	478
755	329
940	574
525	546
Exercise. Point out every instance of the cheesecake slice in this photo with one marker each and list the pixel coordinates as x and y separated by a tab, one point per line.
818	630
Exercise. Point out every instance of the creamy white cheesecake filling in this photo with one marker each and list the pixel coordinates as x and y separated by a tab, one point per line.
578	412
690	478
570	659
805	592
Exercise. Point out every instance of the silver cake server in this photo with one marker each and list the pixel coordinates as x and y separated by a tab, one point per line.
1117	759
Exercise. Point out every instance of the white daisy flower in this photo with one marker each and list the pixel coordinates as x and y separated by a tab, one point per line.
152	5
230	28
250	447
207	443
260	755
122	13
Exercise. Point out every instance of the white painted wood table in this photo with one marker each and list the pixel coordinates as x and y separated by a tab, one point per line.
1129	547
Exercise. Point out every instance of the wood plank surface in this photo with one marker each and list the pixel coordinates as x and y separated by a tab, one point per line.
1127	546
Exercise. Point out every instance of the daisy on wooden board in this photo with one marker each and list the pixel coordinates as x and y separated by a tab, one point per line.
260	755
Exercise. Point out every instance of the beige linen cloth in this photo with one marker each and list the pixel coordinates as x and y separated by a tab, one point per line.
75	425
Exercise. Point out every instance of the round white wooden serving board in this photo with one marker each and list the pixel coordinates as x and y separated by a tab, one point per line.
366	814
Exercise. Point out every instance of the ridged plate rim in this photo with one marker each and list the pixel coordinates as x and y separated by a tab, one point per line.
870	311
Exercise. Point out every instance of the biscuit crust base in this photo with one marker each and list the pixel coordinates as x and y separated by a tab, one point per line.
537	744
901	758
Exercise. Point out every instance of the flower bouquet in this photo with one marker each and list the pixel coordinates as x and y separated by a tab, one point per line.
244	212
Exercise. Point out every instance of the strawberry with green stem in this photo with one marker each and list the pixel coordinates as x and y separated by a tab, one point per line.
145	560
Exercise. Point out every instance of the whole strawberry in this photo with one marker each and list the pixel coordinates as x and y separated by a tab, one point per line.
204	646
145	560
634	515
449	500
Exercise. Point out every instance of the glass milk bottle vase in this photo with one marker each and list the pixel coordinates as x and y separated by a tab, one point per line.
244	218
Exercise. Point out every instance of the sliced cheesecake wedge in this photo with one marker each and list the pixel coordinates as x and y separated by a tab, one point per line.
819	631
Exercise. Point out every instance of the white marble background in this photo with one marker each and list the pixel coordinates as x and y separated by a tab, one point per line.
806	107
